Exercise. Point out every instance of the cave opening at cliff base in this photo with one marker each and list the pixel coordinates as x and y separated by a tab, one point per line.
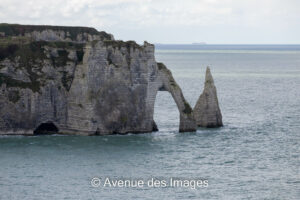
47	128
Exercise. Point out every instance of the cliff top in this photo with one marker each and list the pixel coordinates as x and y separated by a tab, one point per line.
16	34
21	30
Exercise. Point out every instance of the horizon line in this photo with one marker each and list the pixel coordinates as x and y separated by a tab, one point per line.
196	44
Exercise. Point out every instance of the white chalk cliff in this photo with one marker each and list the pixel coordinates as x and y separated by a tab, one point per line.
207	111
76	80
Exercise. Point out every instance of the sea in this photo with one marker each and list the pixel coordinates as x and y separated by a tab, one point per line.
255	155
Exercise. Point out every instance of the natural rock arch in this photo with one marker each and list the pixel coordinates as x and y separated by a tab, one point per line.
85	86
187	121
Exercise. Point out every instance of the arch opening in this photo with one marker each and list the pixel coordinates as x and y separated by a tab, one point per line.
47	128
166	113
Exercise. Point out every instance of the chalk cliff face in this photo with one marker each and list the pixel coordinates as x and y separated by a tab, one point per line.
207	111
76	80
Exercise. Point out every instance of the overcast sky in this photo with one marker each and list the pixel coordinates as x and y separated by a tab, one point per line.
168	21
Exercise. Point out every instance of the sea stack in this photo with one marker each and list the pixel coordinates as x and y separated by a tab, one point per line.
207	112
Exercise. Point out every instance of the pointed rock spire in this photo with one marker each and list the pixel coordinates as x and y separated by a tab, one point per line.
207	111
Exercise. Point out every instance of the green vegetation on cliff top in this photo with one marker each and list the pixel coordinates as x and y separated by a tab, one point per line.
21	30
119	44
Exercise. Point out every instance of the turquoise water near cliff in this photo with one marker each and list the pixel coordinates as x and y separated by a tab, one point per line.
256	155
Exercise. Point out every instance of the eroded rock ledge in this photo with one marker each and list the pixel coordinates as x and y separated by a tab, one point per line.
76	80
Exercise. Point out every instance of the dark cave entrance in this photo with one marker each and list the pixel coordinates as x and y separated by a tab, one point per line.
47	128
